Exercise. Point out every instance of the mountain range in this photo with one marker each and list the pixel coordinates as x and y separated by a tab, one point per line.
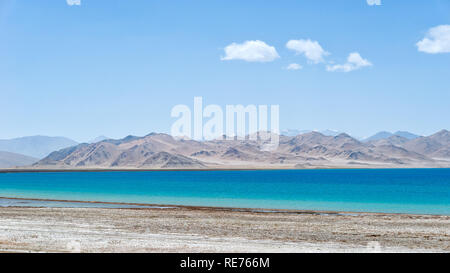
294	132
25	151
8	160
307	150
35	146
384	135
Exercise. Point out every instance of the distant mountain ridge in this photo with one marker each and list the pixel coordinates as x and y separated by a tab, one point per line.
98	139
35	146
436	145
9	160
308	150
295	132
385	135
406	134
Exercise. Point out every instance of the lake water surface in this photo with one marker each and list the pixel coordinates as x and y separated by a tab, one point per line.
424	191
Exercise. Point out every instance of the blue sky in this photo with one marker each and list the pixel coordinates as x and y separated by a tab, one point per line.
118	67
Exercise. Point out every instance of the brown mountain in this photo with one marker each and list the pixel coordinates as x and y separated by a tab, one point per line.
310	150
435	145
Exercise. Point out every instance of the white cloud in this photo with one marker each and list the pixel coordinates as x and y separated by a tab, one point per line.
73	2
311	49
250	51
374	2
294	66
437	40
354	61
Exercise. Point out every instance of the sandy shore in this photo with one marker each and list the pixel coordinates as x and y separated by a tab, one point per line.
184	229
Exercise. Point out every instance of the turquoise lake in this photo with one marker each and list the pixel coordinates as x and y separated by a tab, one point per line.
423	191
